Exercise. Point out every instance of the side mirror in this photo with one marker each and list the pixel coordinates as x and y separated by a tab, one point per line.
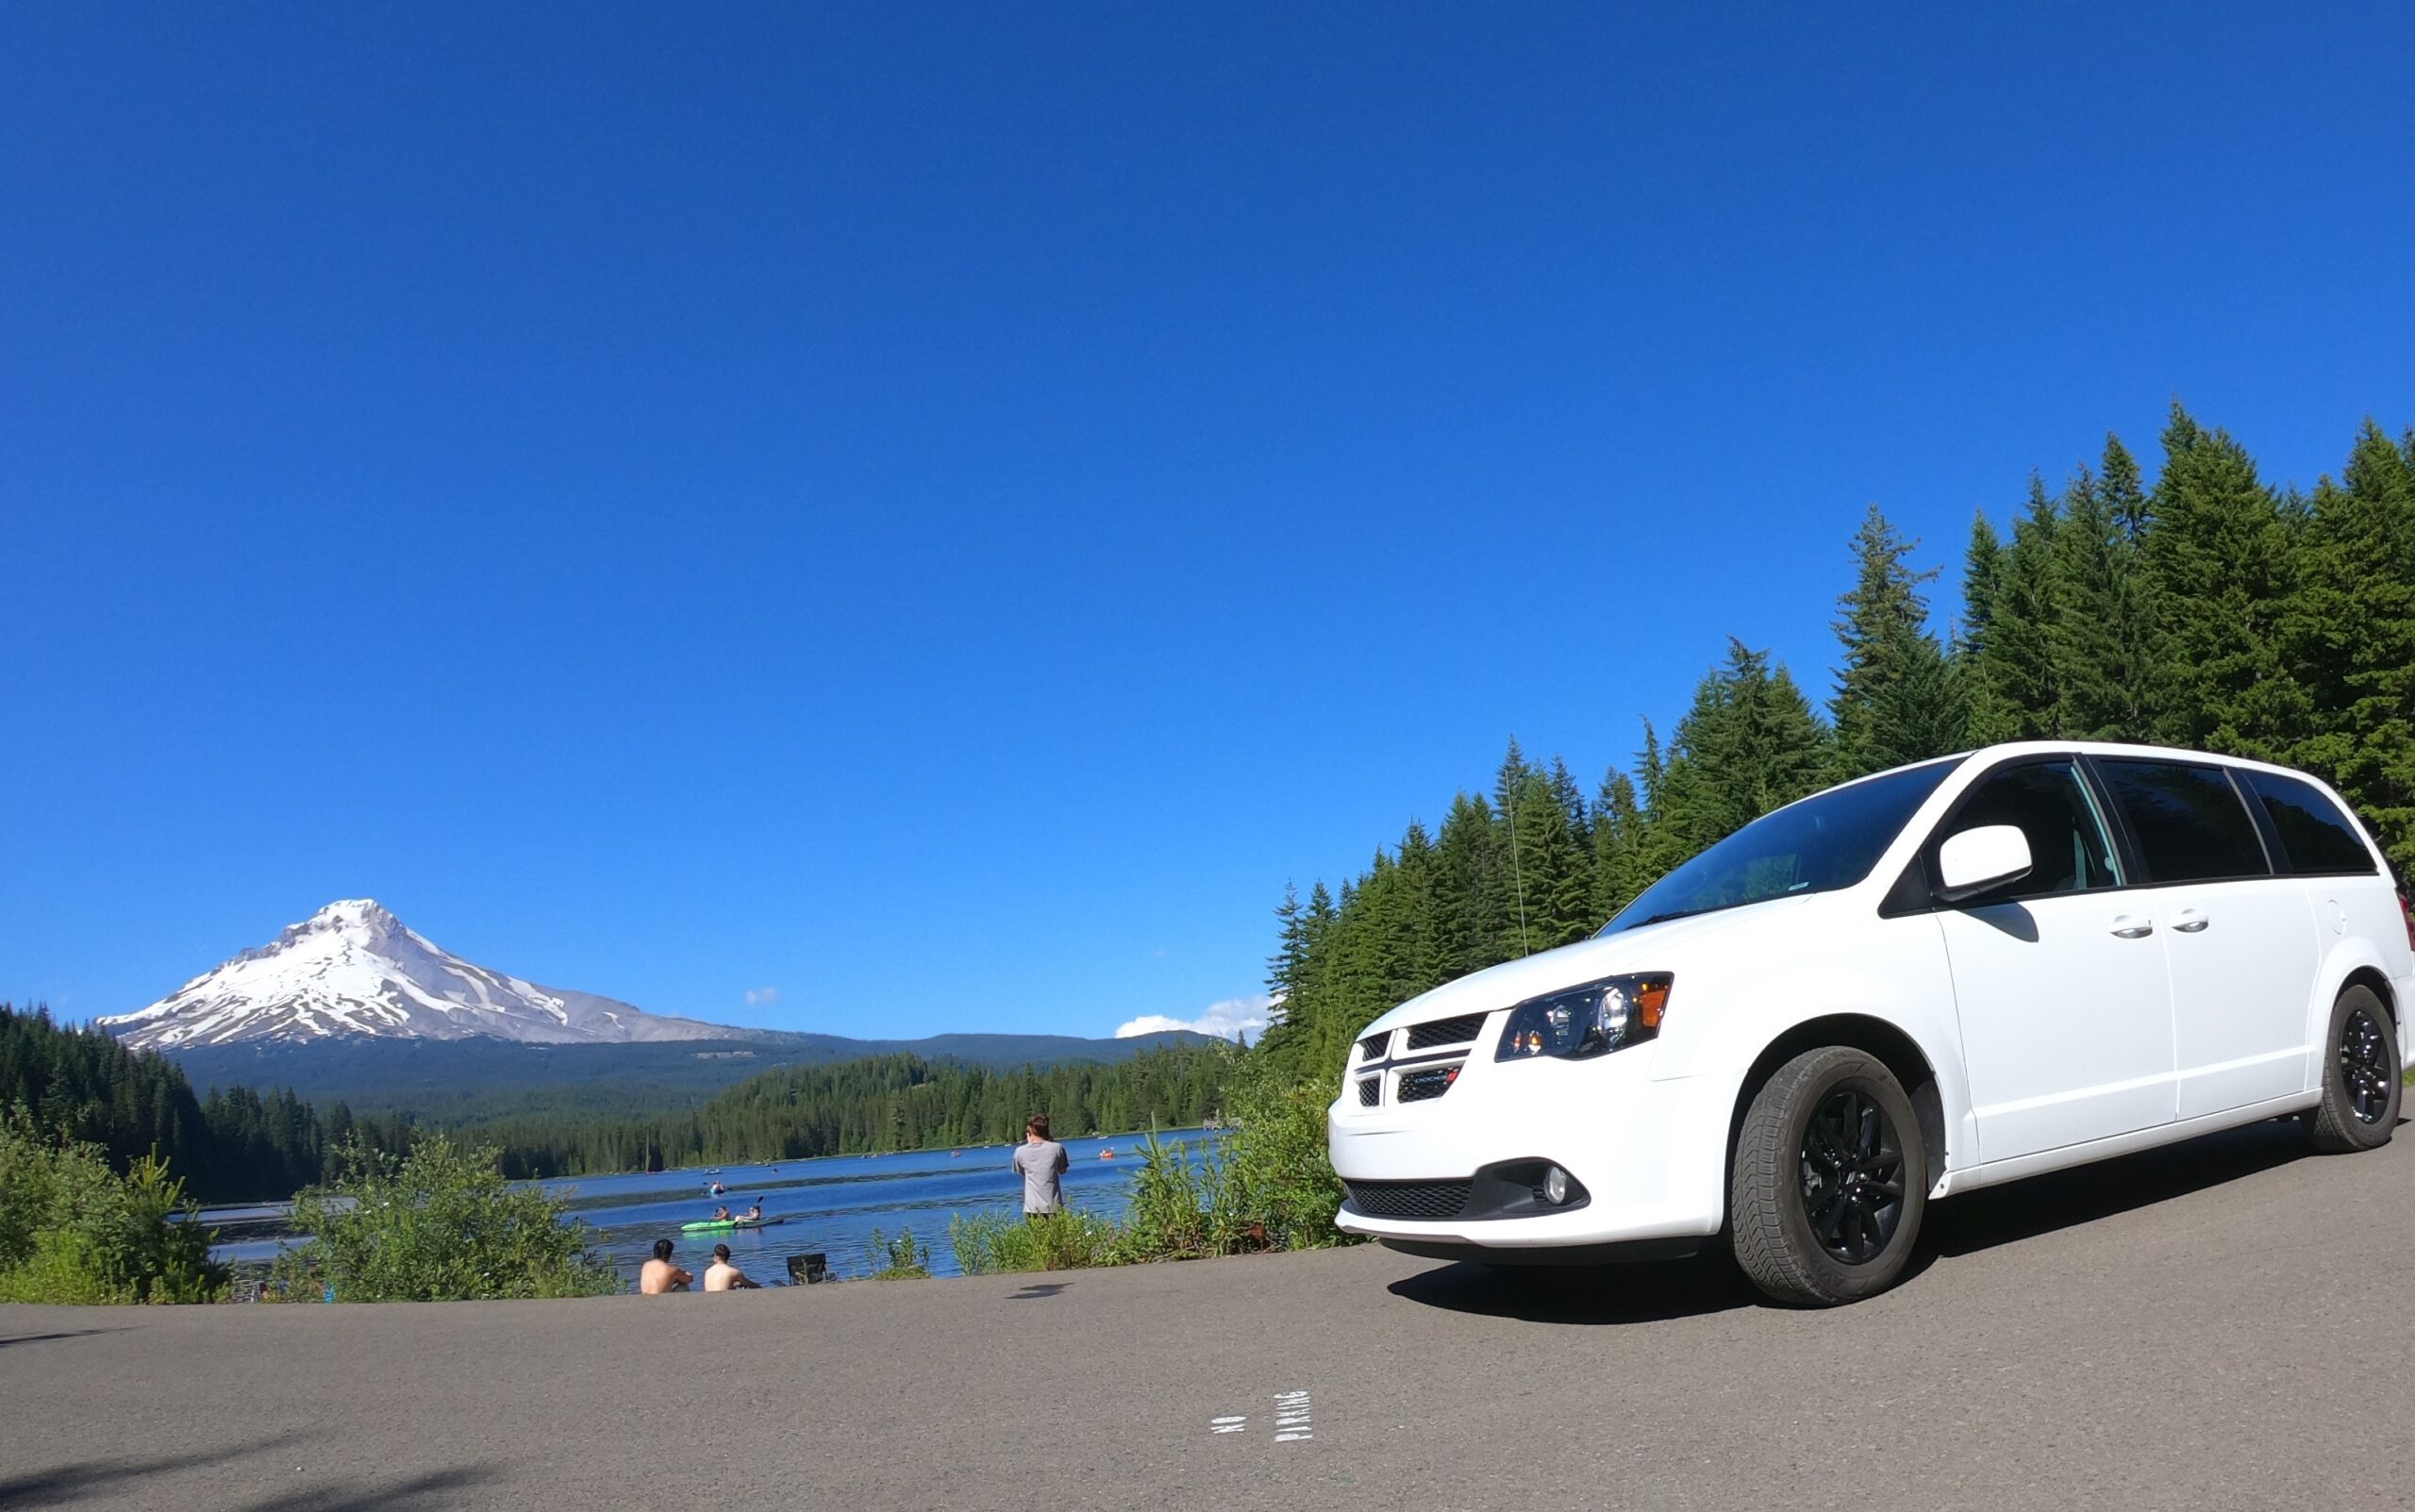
1976	859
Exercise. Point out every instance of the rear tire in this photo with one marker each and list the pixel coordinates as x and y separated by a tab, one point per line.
1831	1180
2361	1087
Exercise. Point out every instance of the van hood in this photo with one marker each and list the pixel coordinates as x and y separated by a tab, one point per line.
1662	947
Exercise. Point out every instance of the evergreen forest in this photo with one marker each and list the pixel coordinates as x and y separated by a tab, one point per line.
880	1104
2209	609
81	1085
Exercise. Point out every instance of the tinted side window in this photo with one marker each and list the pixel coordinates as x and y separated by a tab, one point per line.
2046	801
2188	821
2316	839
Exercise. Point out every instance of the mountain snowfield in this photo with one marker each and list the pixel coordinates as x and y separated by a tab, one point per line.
354	969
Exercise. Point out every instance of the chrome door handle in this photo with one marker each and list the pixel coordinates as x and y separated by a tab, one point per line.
2130	926
2188	921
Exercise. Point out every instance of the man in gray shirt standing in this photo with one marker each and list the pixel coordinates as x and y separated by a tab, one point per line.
1041	1160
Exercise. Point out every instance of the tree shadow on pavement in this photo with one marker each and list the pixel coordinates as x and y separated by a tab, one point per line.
118	1481
64	1333
419	1493
112	1479
1645	1293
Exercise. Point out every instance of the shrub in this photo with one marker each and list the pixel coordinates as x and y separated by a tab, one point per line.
1180	1207
439	1224
995	1242
72	1230
1279	1184
902	1258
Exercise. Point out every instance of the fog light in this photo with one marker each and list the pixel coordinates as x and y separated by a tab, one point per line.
1555	1186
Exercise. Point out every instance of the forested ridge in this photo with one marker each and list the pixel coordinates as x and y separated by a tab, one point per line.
82	1085
2209	609
880	1104
237	1143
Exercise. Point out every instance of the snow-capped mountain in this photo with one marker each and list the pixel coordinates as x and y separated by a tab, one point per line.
352	969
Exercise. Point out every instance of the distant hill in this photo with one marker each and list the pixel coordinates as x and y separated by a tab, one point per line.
475	1080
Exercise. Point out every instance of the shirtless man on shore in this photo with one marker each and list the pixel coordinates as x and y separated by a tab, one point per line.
723	1275
659	1275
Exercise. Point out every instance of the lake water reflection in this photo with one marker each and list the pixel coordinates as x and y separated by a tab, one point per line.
829	1205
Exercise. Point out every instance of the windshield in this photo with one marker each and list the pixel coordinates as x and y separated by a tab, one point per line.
1827	841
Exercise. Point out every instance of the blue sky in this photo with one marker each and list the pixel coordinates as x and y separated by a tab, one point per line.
941	511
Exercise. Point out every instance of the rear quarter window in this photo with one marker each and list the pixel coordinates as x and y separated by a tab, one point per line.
2186	821
2316	839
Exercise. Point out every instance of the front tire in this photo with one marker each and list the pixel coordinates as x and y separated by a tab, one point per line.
1831	1180
2361	1090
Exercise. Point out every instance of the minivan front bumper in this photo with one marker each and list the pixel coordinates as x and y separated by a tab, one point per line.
1649	1156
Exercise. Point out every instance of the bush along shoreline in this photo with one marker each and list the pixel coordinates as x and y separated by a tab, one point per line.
1269	1187
440	1224
74	1230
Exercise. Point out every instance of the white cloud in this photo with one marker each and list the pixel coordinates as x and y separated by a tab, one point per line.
1234	1016
762	997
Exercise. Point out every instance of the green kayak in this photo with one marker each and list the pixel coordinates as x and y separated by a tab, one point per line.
712	1223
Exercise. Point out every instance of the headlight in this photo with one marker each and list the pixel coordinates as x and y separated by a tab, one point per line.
1592	1019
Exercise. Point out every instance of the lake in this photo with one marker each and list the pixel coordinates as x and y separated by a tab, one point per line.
829	1205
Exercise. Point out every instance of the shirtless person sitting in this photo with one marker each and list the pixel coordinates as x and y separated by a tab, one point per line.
659	1275
723	1277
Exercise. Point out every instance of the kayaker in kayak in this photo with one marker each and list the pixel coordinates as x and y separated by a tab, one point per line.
723	1277
720	1214
659	1275
753	1215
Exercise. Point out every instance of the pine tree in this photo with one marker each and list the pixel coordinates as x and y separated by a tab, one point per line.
1617	828
1981	580
1510	780
1555	865
1473	865
1897	700
2104	634
2355	632
1751	743
1283	967
2024	701
2224	556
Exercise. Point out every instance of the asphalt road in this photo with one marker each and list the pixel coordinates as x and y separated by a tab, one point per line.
2221	1324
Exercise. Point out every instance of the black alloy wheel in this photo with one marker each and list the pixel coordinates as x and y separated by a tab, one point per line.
1853	1176
2368	1071
2359	1107
1828	1179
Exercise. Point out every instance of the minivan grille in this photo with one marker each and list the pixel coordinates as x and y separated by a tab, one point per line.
1370	1091
1418	1085
1457	1031
1410	1199
1374	1045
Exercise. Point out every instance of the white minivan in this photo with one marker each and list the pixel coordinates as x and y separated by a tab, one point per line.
1916	984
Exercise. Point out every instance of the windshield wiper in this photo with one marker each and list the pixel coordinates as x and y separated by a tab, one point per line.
1691	913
